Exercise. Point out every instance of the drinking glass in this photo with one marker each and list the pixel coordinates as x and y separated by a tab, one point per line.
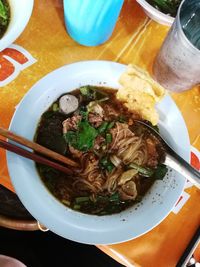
177	65
91	22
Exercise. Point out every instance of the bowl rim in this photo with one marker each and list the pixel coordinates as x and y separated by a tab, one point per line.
76	227
15	29
155	12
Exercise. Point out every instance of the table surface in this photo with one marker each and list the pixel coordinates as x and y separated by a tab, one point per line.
44	46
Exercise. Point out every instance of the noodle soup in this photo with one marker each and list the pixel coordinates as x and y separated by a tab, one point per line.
119	158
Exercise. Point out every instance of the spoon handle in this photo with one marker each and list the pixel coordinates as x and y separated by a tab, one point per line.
176	162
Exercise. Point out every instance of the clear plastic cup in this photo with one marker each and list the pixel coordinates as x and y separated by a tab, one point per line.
91	22
177	65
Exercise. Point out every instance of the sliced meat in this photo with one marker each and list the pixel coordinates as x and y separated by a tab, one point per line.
71	123
95	119
110	112
128	191
75	152
94	107
152	153
98	142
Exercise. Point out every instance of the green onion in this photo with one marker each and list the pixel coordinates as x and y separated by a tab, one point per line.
79	200
106	164
66	202
110	125
115	197
108	138
160	172
84	114
3	11
85	90
90	92
144	171
121	119
102	99
110	167
55	107
102	128
76	207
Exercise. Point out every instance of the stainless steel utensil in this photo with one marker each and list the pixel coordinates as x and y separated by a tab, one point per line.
173	160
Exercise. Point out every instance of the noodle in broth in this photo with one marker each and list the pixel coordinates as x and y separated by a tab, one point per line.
119	158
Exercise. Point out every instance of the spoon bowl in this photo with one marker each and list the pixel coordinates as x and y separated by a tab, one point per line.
173	160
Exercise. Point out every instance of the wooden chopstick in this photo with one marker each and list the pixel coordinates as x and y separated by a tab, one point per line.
37	148
37	158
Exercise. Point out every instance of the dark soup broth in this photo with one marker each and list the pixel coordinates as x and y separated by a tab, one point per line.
119	159
4	16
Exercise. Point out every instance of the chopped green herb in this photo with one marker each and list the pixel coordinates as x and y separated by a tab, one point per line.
108	138
86	90
76	207
84	114
86	136
110	125
91	93
144	171
55	107
71	138
83	139
4	16
102	128
79	200
115	197
66	202
106	164
166	6
102	99
3	11
121	119
160	172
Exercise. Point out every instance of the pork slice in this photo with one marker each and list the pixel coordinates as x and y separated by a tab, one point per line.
98	142
71	123
95	119
110	112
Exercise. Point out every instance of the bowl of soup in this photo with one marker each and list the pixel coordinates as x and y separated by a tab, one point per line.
121	188
13	20
162	12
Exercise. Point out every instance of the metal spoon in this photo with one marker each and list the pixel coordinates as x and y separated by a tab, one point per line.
173	160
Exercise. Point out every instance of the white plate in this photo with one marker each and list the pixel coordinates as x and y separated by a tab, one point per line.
70	224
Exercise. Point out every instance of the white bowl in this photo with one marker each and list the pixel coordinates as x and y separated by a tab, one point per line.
155	14
20	15
92	229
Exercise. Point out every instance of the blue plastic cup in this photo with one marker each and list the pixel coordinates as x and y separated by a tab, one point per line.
91	22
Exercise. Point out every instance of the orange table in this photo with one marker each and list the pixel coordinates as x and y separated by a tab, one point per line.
45	46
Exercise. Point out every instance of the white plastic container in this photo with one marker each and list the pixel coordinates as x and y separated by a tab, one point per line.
155	14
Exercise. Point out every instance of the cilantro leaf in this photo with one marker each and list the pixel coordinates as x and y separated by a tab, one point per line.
160	172
82	139
106	164
91	93
86	136
4	14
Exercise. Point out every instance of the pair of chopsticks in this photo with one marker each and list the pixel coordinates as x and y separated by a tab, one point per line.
37	148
